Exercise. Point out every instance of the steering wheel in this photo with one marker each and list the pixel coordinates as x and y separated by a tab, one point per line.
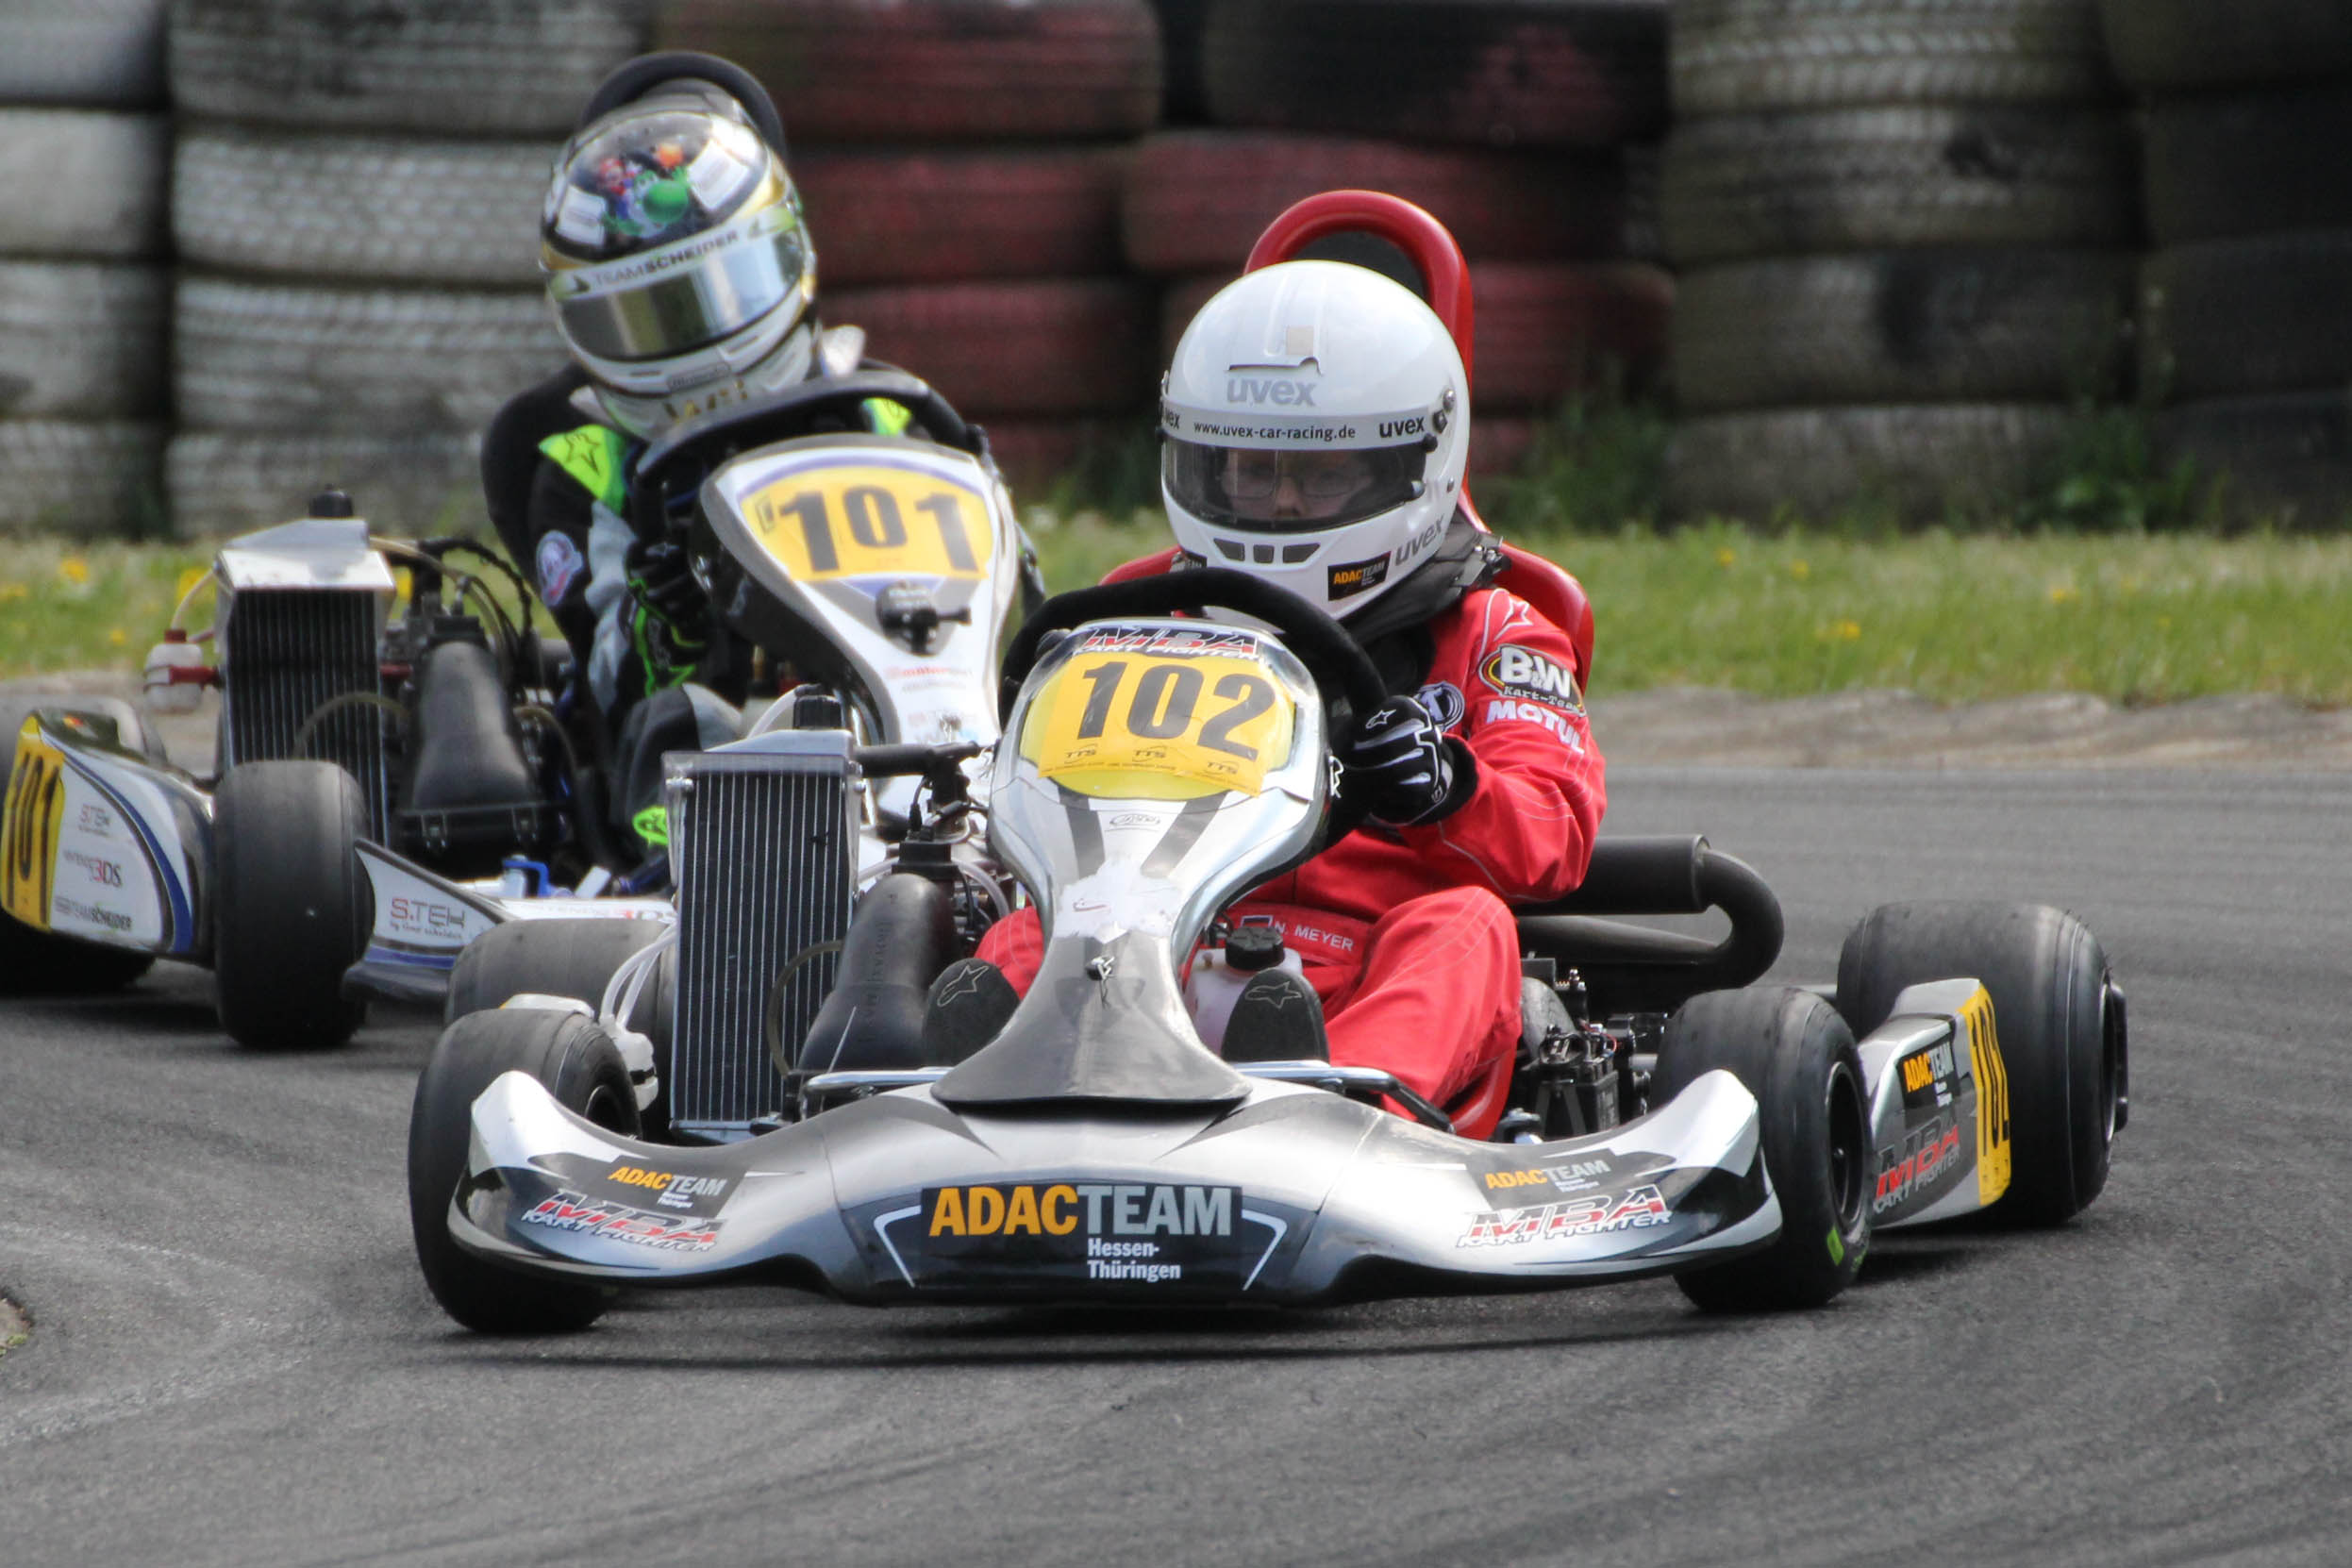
703	442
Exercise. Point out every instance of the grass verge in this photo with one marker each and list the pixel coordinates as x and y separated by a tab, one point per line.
2133	618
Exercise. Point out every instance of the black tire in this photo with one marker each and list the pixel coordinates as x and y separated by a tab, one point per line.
1926	325
289	909
226	482
1797	1056
2230	163
92	477
499	67
2224	318
1754	184
35	962
2282	457
84	183
249	199
1738	57
581	1067
88	52
276	357
2055	1011
1505	73
2172	43
575	958
1918	463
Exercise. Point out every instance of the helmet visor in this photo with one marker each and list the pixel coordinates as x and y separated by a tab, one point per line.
707	288
1264	490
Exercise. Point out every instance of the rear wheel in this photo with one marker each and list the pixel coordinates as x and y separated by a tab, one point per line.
1797	1056
2057	1012
577	1064
288	914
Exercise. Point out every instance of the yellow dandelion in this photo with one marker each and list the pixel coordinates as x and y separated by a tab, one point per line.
10	592
1800	570
2064	593
75	570
117	638
1839	631
187	581
1727	558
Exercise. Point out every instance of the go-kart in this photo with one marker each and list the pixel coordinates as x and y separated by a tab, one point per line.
1667	1117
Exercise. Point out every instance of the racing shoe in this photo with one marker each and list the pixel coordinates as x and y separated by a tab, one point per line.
1277	1017
968	1007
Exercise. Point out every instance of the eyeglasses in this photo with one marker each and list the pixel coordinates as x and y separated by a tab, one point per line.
1253	476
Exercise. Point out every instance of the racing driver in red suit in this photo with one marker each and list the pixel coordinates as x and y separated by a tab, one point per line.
1315	429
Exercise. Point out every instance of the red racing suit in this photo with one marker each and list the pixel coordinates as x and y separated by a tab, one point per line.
1405	932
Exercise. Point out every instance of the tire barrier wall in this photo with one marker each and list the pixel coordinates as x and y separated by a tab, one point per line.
83	283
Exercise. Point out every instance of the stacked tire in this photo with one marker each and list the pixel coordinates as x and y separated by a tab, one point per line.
1903	233
960	163
84	287
354	204
1509	120
2246	300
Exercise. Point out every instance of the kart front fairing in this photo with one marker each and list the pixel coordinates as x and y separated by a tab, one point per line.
1095	1149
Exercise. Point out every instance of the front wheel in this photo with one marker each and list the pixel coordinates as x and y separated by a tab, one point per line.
1797	1056
288	912
2057	1014
578	1064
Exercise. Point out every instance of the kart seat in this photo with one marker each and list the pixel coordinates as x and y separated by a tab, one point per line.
1555	594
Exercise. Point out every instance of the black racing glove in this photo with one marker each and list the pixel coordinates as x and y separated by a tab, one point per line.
1400	762
671	623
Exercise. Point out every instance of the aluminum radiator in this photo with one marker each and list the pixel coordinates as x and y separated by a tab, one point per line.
286	652
762	846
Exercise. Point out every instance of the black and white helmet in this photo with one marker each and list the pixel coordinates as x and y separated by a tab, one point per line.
676	261
1315	427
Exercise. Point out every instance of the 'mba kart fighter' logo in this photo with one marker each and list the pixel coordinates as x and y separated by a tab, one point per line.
577	1211
1591	1214
1533	686
1144	1232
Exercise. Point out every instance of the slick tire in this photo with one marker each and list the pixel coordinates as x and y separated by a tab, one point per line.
1914	463
2276	457
581	1068
1889	326
1738	57
2161	44
1198	200
1740	186
289	915
952	214
1505	73
497	67
286	357
85	183
227	482
2234	163
92	479
1026	347
947	71
1797	1056
405	210
2227	318
575	958
2058	1016
81	340
39	963
88	52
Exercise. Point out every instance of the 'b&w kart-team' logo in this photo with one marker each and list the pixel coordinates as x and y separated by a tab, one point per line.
1525	675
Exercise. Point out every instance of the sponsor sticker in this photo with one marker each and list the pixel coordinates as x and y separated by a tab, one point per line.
1577	1175
1442	701
1531	676
560	564
1922	1159
578	1212
1593	1214
1119	1234
670	1189
1349	579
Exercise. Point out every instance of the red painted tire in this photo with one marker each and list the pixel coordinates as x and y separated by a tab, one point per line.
946	215
1543	332
1507	73
1051	346
1198	200
936	70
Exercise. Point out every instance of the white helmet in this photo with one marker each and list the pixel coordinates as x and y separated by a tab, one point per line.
1314	428
679	271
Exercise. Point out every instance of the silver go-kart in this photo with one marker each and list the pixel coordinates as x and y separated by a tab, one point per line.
1094	1150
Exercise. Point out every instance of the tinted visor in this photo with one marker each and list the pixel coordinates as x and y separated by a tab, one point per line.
693	304
1259	489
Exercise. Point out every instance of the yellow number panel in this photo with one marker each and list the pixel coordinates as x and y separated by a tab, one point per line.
28	827
1145	726
858	518
1984	1049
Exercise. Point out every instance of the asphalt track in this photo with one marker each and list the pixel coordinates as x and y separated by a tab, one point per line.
235	1361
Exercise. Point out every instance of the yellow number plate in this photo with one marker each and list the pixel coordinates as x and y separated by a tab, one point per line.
28	827
872	519
1117	724
1984	1048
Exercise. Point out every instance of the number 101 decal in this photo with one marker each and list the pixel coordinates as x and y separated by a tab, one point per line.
870	520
